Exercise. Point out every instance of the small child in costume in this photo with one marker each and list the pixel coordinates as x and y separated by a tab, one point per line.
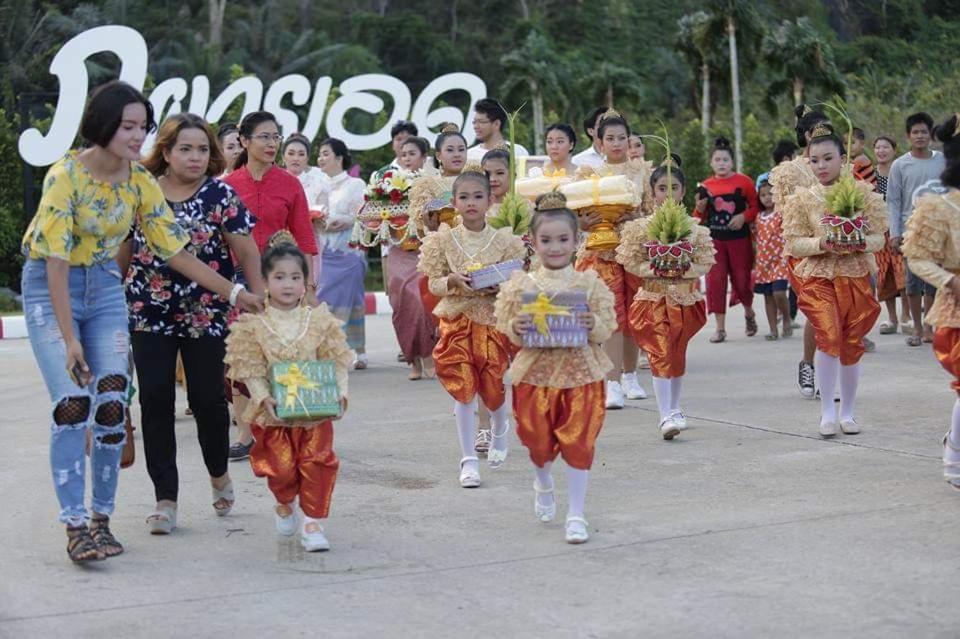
769	264
471	356
558	393
296	457
666	312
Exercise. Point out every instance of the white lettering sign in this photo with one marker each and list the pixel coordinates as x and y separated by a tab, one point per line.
360	92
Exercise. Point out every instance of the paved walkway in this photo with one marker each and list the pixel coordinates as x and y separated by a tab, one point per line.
748	525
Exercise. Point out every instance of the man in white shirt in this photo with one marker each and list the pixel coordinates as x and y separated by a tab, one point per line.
489	124
591	157
399	132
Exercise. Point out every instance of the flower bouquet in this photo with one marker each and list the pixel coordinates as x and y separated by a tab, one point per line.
669	248
383	218
844	223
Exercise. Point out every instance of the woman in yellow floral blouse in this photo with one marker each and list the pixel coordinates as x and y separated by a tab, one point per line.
75	306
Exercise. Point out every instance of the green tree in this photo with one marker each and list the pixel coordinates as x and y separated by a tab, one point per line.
803	58
12	218
533	66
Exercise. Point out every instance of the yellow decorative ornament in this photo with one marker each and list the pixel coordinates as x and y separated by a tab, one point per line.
398	182
384	214
294	380
540	309
476	266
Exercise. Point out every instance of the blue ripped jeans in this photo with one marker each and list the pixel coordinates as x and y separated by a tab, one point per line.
100	323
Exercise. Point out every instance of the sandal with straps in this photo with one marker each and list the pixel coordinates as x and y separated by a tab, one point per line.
81	546
752	327
221	495
106	542
543	513
495	456
577	532
951	469
162	520
469	477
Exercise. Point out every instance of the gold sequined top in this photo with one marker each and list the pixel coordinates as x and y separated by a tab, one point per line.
932	245
679	291
802	234
257	341
559	367
455	251
428	186
787	177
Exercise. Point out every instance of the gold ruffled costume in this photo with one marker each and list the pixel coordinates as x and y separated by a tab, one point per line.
297	458
833	291
666	313
930	243
425	188
471	356
558	393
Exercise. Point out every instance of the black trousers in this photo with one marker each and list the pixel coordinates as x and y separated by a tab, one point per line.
155	357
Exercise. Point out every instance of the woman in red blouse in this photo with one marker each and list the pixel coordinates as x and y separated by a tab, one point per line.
277	200
727	204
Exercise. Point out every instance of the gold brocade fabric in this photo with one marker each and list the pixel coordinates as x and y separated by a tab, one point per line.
932	246
635	258
802	234
842	311
471	359
257	341
558	367
787	177
946	346
428	186
663	329
298	463
560	421
454	251
622	284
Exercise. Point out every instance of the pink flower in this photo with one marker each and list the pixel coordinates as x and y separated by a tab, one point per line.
200	237
214	265
137	307
206	298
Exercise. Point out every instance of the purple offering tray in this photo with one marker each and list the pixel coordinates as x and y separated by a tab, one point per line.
563	331
494	274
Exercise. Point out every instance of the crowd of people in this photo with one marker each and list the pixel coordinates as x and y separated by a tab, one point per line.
226	254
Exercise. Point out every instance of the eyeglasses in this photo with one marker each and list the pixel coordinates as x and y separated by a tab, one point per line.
479	121
263	138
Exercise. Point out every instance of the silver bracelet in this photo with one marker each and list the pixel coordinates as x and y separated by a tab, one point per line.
237	289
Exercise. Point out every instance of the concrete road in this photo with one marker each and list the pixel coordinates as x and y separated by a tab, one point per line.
748	525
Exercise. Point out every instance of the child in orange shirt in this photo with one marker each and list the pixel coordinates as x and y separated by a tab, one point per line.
770	266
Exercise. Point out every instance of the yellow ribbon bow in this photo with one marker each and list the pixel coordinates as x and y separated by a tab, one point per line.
294	379
539	310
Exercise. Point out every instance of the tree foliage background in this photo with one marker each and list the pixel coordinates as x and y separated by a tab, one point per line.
652	60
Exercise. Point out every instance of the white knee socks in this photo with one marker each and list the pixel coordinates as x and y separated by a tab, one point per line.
467	425
849	377
950	454
500	428
827	369
675	384
576	491
662	388
545	481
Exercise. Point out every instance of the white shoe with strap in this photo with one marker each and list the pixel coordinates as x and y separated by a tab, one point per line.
543	513
951	469
469	474
577	532
496	455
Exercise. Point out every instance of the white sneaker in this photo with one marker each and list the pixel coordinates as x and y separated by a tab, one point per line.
286	526
631	386
679	419
829	429
615	398
669	428
311	536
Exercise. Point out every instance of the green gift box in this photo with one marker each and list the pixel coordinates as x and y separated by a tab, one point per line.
305	390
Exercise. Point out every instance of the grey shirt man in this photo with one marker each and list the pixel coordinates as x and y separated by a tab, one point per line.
907	174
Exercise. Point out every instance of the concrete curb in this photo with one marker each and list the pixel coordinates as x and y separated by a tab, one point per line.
15	327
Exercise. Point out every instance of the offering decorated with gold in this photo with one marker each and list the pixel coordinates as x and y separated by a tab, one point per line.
555	322
531	188
609	197
844	223
384	218
305	390
669	247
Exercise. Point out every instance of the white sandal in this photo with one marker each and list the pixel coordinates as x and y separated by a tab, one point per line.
162	520
669	428
495	456
951	469
469	477
543	513
577	530
225	493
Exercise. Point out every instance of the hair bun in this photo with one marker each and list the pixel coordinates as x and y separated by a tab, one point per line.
801	110
449	127
721	144
551	201
281	237
673	161
947	131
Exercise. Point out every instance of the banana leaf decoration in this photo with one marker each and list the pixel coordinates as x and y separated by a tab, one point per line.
514	213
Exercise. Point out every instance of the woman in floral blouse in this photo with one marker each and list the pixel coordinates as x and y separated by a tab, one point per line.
76	316
170	314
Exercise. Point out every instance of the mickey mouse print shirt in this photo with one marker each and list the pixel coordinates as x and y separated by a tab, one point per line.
730	196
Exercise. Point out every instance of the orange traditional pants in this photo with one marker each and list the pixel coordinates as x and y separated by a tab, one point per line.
297	461
564	421
663	330
623	284
946	346
842	311
471	359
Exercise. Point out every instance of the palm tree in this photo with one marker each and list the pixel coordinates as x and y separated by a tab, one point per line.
694	43
533	65
803	57
731	16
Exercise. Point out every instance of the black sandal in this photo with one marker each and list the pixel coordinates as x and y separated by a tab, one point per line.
106	542
752	327
81	547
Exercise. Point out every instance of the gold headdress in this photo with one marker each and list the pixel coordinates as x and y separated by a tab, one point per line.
821	130
281	237
551	201
610	113
449	127
472	167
